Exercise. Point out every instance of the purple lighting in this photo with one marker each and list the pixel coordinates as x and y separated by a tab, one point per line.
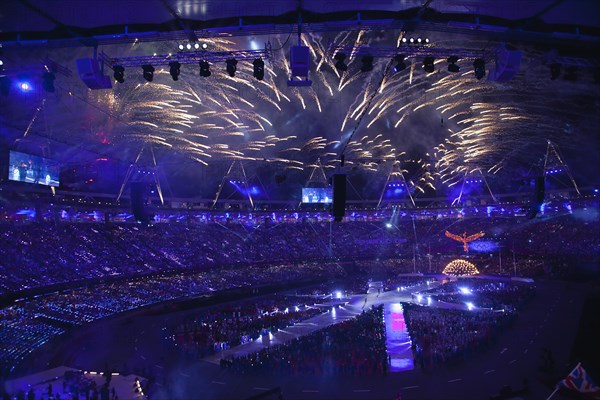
398	341
464	290
25	86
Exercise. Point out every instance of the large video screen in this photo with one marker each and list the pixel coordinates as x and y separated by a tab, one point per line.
33	169
317	195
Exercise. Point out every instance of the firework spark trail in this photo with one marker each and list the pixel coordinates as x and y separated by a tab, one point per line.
471	141
225	116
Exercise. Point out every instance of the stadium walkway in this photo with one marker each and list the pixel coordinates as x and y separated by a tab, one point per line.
355	305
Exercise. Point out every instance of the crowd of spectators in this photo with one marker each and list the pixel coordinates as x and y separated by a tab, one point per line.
483	293
45	254
74	385
337	289
405	282
171	260
27	325
352	347
542	237
21	332
41	254
229	325
442	335
363	278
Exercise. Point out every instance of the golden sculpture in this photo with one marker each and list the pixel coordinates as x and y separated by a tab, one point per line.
464	239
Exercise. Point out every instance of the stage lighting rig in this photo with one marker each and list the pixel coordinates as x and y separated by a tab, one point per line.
415	42
119	73
205	69
425	53
340	65
428	64
148	72
259	69
47	71
231	66
452	67
174	70
479	67
400	64
564	65
25	86
192	46
202	58
367	63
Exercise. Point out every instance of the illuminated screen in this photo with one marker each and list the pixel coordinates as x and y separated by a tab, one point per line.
317	195
33	169
483	246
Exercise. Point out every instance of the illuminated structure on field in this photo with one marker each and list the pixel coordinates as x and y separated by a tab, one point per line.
460	268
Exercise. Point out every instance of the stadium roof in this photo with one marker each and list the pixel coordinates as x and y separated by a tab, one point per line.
68	18
443	126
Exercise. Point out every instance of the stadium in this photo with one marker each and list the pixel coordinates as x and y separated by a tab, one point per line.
299	200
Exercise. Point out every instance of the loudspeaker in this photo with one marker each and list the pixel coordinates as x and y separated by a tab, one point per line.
508	63
138	200
339	197
300	60
538	200
540	189
90	74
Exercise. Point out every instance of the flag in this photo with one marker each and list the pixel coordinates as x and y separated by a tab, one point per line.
579	381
